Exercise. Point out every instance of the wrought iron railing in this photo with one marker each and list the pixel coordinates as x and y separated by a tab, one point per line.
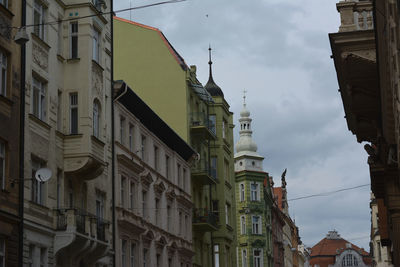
201	119
205	216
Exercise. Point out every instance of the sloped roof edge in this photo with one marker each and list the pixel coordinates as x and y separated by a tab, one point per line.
179	59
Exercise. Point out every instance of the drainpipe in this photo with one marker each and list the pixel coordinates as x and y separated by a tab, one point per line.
112	134
21	144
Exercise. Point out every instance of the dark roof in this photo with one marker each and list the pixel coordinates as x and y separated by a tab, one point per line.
151	120
213	88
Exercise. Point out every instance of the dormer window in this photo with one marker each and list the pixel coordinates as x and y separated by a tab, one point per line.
349	260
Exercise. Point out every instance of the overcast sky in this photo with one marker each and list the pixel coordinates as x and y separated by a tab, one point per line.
278	50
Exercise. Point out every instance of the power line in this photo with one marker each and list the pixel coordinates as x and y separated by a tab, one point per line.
95	15
329	193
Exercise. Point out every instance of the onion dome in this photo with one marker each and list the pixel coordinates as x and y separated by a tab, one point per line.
212	88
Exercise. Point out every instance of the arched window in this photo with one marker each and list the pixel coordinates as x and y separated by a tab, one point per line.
96	118
349	260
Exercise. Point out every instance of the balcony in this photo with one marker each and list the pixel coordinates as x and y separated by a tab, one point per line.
204	220
201	125
84	156
203	173
80	233
354	54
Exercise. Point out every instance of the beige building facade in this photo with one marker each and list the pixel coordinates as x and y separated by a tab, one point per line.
154	206
67	130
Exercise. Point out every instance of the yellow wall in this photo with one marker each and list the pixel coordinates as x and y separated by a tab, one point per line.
143	60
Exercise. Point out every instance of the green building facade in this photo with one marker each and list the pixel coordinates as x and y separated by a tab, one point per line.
253	201
145	59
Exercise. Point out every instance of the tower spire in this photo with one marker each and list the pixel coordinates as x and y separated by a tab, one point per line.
211	86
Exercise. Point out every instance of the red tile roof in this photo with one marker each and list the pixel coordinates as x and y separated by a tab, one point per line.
325	251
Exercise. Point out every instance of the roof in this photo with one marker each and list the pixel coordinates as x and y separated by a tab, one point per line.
213	88
151	120
171	49
325	251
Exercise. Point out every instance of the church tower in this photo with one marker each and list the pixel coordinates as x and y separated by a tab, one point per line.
253	203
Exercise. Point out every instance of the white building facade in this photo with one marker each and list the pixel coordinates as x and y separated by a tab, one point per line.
153	189
67	130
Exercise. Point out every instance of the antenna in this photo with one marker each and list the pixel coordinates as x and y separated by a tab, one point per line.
43	174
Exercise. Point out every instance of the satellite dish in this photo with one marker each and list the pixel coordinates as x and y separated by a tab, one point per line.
43	175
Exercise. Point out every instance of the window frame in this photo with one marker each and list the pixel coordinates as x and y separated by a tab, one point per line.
256	226
37	188
73	111
131	135
242	190
38	28
39	87
132	189
4	72
96	45
74	40
122	190
243	224
122	122
244	257
96	119
258	260
3	159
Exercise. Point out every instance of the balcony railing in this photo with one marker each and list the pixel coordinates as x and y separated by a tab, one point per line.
83	222
355	15
205	216
201	120
205	173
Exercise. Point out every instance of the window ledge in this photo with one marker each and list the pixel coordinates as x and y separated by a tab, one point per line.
36	119
73	60
97	64
60	58
6	100
41	41
6	11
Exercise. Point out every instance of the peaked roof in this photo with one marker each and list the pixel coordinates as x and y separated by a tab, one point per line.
171	49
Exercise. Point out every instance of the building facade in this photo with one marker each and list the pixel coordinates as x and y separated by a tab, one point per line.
253	209
278	223
145	59
381	256
365	54
154	207
68	130
10	81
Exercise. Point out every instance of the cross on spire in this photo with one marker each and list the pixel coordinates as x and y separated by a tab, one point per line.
244	96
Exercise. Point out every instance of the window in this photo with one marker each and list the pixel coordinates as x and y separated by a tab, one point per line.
223	129
59	111
123	184
30	256
143	148
169	218
243	225
122	129
43	257
2	165
379	251
123	253
226	170
212	120
180	223
37	187
184	179
131	128
100	200
167	166
2	252
257	255
241	189
157	211
96	45
38	99
256	223
74	39
156	158
133	248
214	167
60	37
227	212
349	260
145	256
73	113
3	75
38	19
4	3
178	166
216	255
158	259
254	191
132	196
144	204
96	119
244	258
59	180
